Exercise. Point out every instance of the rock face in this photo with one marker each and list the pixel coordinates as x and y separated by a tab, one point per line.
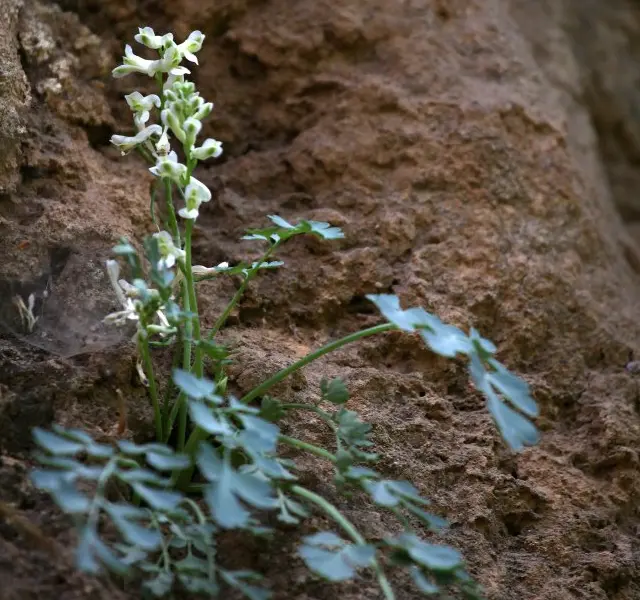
482	158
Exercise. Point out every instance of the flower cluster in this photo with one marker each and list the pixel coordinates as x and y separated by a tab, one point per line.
182	110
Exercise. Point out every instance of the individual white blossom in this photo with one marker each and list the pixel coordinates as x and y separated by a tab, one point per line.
210	149
195	194
142	105
168	63
191	45
147	37
120	286
168	250
127	143
168	167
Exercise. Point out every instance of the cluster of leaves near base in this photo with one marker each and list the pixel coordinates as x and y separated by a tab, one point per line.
138	509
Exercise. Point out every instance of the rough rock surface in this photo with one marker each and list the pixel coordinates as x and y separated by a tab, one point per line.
482	157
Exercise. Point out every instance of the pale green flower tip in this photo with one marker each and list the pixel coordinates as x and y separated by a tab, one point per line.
210	149
190	214
147	37
168	167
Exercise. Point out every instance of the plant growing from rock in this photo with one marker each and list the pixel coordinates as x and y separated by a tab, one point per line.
215	463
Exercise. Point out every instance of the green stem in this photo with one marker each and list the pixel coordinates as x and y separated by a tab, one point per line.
222	319
321	413
153	389
284	373
173	221
168	416
181	404
300	445
193	301
349	529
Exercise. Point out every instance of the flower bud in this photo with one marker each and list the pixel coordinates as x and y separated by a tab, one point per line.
191	129
169	119
204	111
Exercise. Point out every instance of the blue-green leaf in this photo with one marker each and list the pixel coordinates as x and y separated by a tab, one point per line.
137	535
483	345
143	476
514	388
166	500
329	556
163	462
202	415
517	431
193	386
225	508
446	340
334	391
161	585
325	230
280	222
422	583
389	306
228	486
431	556
56	444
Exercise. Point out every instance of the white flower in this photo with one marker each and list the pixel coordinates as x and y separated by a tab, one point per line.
120	286
142	105
132	63
210	149
126	144
168	251
195	194
192	44
169	167
148	38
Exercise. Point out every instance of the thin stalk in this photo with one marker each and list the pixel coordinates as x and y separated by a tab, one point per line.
153	389
321	413
181	403
349	529
300	445
222	319
193	301
171	211
284	373
166	408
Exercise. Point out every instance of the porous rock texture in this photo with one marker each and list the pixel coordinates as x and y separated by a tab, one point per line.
482	158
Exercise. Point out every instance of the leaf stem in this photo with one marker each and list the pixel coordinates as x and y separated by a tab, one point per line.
284	373
300	445
349	529
222	319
